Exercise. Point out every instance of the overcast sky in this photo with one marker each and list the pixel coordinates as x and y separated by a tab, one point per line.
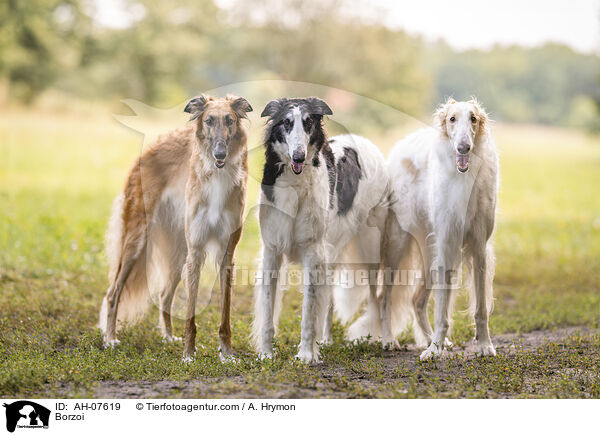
462	23
480	24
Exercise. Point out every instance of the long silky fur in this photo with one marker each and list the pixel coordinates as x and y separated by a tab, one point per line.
135	298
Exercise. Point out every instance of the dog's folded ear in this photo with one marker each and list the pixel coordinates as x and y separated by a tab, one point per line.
241	106
273	107
196	106
440	115
319	107
479	112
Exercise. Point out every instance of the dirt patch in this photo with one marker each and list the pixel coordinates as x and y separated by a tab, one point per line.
535	364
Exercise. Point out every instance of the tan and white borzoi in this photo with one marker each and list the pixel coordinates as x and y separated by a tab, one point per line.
445	185
184	197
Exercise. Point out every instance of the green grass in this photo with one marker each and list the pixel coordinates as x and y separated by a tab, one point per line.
58	175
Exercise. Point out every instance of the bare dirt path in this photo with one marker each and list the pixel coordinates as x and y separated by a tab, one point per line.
552	363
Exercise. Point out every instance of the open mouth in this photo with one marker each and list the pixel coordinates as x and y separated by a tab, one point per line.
297	167
219	163
462	162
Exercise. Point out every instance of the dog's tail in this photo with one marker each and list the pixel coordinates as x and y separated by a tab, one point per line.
259	314
369	324
347	301
405	282
135	297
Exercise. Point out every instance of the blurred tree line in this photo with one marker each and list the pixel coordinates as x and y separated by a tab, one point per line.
549	85
166	51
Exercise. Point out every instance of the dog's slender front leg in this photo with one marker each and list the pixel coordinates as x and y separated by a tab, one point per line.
442	286
225	275
482	331
193	266
266	304
314	305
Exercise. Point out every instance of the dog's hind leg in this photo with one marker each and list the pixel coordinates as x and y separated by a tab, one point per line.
395	245
328	326
422	328
225	276
165	322
131	254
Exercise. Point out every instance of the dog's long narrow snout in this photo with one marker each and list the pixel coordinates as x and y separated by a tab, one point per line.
463	147
298	155
298	158
220	152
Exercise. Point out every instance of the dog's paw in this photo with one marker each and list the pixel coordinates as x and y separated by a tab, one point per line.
485	349
187	359
326	341
390	344
189	354
228	357
434	350
307	357
422	342
109	344
265	355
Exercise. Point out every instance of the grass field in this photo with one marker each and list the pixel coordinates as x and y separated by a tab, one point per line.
59	173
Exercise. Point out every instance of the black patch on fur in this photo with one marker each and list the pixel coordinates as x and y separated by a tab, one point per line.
349	173
331	170
273	168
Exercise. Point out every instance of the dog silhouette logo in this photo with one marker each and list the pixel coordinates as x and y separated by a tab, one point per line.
26	414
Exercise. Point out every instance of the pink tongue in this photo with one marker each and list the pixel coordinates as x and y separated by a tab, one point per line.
297	166
462	160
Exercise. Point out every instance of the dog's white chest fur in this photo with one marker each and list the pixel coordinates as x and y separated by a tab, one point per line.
213	222
449	201
297	216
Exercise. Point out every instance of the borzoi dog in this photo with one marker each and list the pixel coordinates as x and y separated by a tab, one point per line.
445	184
184	196
318	199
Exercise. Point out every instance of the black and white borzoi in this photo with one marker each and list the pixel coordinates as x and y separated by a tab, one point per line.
321	202
444	194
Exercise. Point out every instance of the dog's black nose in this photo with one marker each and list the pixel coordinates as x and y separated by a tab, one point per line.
463	148
298	156
220	155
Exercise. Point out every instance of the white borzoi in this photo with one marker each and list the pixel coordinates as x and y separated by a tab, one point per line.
184	196
321	202
445	184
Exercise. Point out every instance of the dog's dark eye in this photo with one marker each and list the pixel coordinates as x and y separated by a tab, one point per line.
473	119
228	121
308	122
452	119
287	123
208	121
